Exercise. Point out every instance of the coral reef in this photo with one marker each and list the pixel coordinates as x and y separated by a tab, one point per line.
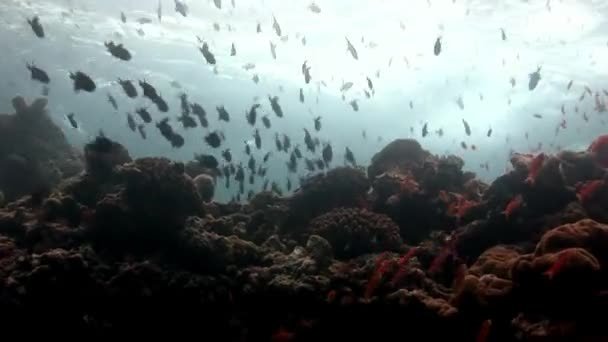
131	246
339	187
34	153
352	232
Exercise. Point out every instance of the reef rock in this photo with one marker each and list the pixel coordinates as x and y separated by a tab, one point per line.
205	185
152	201
353	232
34	153
340	187
398	156
102	155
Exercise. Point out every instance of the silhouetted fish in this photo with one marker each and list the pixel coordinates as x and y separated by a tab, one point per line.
534	79
144	114
310	145
131	122
318	123
149	90
72	120
118	51
82	81
207	161
350	157
181	8
38	74
112	101
306	72
467	128
232	50
142	131
258	139
36	26
327	153
128	88
213	139
161	104
209	57
266	121
223	114
252	114
351	49
437	47
276	108
276	26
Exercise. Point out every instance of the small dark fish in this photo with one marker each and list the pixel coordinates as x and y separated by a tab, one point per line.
327	153
276	188
218	3
232	169
266	156
411	105
142	131
131	122
276	108
118	51
181	8
112	101
36	26
72	120
538	116
320	164
251	164
439	132
297	152
140	32
258	139
144	115
464	145
314	8
276	26
128	88
161	104
310	165
200	112
38	74
159	11
240	174
213	139
209	57
223	114
301	95
425	130
306	72
232	50
187	121
258	28
489	132
310	145
288	184
144	21
370	85
351	49
278	142
227	155
286	143
467	128
82	81
252	114
534	79
318	123
207	161
570	84
355	105
183	99
292	164
266	121
437	48
503	34
149	90
273	50
123	17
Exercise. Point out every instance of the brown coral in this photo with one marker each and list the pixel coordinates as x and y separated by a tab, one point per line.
34	153
102	155
151	204
353	232
399	155
340	187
